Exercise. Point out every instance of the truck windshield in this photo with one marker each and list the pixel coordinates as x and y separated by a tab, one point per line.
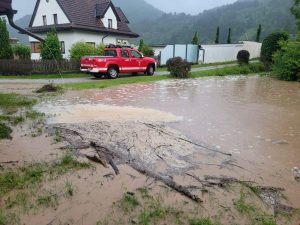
110	53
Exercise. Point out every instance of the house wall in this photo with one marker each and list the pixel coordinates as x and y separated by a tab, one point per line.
72	37
110	15
228	52
48	9
157	49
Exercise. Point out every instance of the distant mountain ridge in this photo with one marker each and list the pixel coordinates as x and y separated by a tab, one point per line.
243	16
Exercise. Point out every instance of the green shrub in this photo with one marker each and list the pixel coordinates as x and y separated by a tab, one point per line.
50	48
80	49
147	51
22	51
99	49
178	67
270	45
243	57
287	61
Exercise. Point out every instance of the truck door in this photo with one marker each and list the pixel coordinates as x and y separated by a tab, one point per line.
125	63
136	60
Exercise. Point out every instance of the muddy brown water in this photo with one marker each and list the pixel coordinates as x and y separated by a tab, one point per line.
254	118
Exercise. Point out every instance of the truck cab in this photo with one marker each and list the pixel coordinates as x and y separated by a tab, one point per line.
118	60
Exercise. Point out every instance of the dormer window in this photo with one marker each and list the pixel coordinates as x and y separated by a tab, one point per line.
110	25
55	19
45	20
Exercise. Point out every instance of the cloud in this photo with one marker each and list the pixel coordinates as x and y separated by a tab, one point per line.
26	7
188	6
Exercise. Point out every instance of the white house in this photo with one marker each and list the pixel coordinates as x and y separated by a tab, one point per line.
90	21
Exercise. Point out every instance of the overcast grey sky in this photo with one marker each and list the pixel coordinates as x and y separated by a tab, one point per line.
25	7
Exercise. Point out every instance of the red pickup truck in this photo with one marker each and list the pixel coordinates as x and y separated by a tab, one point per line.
117	60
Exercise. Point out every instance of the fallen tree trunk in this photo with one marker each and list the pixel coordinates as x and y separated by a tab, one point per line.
108	154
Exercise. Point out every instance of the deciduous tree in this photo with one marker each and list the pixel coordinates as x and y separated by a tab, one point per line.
5	47
50	48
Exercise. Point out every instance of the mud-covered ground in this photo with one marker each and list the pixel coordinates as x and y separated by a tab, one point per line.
171	152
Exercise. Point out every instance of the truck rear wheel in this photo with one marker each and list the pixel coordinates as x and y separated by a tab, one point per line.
112	72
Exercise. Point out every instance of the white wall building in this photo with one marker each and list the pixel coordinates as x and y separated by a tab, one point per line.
207	53
90	21
228	52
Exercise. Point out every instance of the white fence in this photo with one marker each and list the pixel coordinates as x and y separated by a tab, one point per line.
207	53
188	51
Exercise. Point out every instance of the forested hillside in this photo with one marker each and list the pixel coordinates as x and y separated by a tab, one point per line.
243	17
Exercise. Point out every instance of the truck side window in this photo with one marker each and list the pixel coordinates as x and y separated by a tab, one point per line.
110	53
124	54
135	54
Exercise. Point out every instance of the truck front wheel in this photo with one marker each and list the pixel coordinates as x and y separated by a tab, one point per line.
150	70
112	72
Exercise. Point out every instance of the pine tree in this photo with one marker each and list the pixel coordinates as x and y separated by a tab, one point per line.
5	47
295	9
50	48
229	36
195	40
217	41
258	33
141	45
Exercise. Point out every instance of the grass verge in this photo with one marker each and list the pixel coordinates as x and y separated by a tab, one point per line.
116	82
47	76
233	70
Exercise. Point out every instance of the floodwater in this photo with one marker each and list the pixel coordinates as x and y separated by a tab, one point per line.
254	118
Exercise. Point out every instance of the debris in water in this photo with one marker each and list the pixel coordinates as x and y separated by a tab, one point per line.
48	88
296	172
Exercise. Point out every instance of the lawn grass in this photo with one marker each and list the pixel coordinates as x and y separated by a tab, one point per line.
46	76
232	70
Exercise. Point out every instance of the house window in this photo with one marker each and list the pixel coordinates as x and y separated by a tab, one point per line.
45	20
62	47
35	47
55	19
92	44
109	23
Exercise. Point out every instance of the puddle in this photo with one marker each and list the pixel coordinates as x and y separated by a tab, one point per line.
81	113
254	118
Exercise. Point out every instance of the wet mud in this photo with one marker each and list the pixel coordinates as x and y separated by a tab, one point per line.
244	128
